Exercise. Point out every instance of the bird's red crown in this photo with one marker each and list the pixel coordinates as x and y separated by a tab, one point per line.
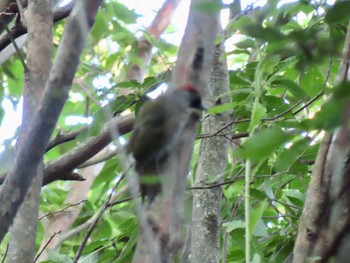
188	87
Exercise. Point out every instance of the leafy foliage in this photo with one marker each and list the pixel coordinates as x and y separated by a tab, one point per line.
284	61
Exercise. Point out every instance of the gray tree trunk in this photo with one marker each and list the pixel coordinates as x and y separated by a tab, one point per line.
205	239
193	67
325	222
39	21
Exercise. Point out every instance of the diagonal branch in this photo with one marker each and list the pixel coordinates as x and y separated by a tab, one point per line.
37	136
19	29
69	161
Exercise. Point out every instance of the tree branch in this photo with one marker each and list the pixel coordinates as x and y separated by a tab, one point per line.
65	137
66	163
97	218
19	29
36	138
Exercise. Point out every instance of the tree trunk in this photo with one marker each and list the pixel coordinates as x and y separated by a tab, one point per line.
160	237
205	245
325	221
39	22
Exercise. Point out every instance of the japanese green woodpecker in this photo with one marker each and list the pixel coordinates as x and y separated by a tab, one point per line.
156	132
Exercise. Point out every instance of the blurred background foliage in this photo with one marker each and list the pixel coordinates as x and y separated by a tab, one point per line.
283	59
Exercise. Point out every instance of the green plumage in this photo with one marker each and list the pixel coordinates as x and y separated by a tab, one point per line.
156	132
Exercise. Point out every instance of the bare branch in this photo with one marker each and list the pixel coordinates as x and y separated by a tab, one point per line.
62	210
11	38
162	20
47	243
64	137
69	161
97	218
19	29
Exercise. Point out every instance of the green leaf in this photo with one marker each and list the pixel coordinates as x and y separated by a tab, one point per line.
55	256
291	86
258	194
289	155
237	79
342	91
15	82
338	13
221	108
330	116
230	226
259	112
124	14
100	28
312	81
296	201
129	246
262	144
247	43
256	214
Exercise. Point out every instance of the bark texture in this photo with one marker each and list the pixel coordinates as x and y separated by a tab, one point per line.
39	22
325	221
36	138
205	240
161	238
65	164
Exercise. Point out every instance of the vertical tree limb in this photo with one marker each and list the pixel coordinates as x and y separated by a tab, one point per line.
37	136
193	67
39	22
326	211
205	245
80	190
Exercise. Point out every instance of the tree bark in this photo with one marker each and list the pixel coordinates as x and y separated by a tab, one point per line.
39	22
35	140
325	221
80	190
61	222
161	238
212	162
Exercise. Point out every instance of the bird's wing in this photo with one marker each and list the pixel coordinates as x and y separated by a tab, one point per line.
156	128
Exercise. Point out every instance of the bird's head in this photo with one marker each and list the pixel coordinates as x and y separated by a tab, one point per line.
195	100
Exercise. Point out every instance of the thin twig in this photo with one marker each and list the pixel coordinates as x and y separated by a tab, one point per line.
246	134
65	137
62	210
282	215
13	41
283	113
120	201
47	243
279	216
101	157
97	218
286	204
21	11
5	254
215	185
309	102
235	136
226	126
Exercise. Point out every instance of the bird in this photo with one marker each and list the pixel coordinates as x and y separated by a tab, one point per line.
157	131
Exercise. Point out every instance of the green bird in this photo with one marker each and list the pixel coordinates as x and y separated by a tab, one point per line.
156	132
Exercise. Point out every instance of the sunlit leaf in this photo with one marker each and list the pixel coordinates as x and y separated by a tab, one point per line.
262	144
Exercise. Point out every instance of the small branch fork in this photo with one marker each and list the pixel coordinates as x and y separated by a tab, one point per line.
97	218
62	210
